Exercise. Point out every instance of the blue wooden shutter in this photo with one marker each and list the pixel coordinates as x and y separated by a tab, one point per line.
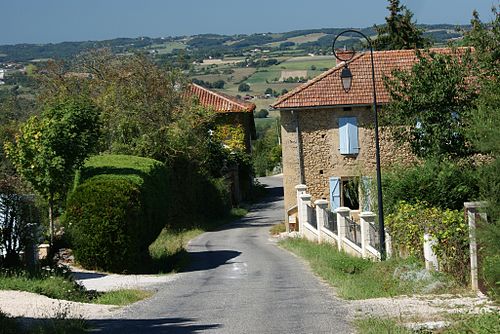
348	135
334	193
366	183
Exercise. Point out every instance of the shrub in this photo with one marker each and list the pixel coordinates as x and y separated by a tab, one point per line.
262	113
117	211
442	184
244	87
409	223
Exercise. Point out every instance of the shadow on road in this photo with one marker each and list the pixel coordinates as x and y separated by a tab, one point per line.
207	260
81	275
153	326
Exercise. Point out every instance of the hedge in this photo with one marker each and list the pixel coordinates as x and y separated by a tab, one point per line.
117	209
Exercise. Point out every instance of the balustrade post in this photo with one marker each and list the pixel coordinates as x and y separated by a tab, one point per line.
301	189
366	218
342	214
321	216
305	200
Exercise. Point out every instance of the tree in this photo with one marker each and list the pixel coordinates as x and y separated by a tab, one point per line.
146	110
244	87
262	113
431	104
269	91
399	32
51	147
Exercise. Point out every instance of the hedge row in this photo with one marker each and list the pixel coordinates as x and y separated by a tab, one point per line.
117	209
120	204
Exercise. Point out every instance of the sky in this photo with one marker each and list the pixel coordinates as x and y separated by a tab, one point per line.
52	21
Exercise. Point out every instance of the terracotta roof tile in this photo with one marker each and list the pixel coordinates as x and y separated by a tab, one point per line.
221	103
326	89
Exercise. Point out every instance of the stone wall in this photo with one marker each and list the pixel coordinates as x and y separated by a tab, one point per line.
320	147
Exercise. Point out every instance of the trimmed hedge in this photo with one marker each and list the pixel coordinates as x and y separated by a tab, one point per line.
442	184
117	209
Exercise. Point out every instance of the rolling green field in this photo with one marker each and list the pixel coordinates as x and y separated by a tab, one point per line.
167	47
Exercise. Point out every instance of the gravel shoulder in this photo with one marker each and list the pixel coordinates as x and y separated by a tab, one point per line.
32	305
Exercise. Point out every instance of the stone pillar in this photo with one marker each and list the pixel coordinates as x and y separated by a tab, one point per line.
472	211
321	216
342	213
301	189
366	218
304	200
431	260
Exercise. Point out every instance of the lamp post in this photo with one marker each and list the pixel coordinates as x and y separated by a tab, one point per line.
346	78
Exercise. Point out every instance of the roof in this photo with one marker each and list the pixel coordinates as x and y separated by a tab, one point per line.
221	103
326	89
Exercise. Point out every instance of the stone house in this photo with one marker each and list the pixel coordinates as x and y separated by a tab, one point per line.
230	111
328	136
237	114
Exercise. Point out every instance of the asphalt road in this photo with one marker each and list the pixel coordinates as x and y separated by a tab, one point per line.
240	281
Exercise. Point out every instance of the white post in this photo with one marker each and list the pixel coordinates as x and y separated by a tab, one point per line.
431	260
471	208
305	199
388	245
365	219
301	189
321	217
342	213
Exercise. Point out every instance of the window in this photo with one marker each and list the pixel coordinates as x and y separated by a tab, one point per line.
344	192
348	135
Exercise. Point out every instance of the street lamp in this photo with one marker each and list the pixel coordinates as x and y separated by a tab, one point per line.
346	78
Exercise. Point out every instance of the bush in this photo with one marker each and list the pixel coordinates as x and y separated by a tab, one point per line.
442	184
117	211
244	87
409	223
262	113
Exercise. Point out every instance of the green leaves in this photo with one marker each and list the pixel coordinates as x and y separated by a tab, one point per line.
431	104
409	223
49	148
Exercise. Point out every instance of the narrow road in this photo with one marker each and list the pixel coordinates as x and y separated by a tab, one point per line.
239	282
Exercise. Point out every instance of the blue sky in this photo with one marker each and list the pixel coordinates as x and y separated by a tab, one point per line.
44	21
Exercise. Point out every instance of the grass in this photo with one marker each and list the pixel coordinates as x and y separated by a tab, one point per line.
485	323
357	278
59	325
277	229
374	325
122	297
57	286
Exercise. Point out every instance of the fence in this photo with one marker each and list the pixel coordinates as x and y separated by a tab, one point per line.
357	236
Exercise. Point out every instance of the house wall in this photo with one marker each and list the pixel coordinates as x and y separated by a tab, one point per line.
320	147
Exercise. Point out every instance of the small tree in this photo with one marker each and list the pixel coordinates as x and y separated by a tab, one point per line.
244	87
399	32
49	148
262	113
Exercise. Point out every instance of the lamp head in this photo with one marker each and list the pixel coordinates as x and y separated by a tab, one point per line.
346	78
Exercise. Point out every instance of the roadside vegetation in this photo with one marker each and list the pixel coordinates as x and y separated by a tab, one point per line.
485	323
58	284
357	278
59	325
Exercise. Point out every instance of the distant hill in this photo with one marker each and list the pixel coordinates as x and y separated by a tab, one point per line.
203	46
